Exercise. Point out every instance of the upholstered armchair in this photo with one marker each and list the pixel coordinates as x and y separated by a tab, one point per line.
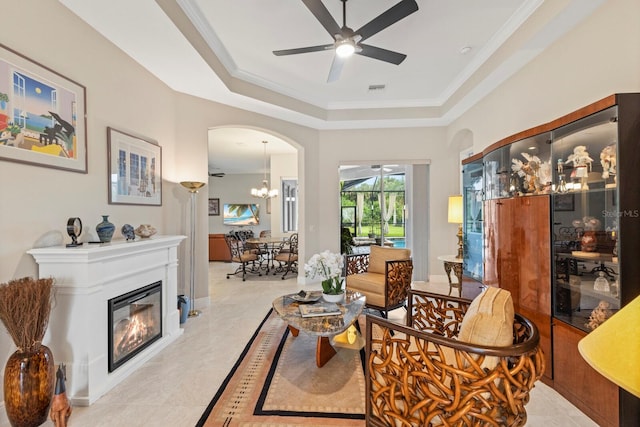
383	276
455	363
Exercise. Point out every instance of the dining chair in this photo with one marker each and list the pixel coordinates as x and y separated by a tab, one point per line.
265	233
244	256
287	256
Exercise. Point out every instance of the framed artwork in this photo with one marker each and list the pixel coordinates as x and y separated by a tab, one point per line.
42	115
135	169
563	202
214	207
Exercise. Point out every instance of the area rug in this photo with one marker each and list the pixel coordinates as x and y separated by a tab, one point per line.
276	382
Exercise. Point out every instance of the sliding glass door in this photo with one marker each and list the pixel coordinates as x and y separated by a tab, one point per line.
373	206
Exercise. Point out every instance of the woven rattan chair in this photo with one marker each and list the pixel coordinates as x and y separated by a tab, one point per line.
421	375
383	276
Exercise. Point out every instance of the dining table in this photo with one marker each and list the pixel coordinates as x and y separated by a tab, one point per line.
268	247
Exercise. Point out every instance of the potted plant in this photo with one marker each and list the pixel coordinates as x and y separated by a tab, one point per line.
4	98
328	266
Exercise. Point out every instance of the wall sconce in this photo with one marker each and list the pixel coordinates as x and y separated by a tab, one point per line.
455	217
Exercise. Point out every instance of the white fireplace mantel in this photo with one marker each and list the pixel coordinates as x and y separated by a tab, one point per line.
85	278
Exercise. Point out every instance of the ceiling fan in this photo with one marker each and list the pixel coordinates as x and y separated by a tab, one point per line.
217	174
347	42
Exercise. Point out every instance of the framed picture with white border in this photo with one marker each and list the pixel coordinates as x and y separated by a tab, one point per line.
135	169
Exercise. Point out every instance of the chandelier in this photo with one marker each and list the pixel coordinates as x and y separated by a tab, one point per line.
264	192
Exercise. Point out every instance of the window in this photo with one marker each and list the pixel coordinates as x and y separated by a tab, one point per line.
289	205
373	203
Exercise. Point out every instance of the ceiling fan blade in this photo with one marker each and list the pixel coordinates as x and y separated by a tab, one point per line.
381	54
336	68
303	50
323	16
388	18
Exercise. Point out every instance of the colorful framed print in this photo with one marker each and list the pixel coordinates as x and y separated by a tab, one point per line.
42	115
135	169
214	207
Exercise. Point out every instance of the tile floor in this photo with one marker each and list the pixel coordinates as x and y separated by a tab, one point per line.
174	388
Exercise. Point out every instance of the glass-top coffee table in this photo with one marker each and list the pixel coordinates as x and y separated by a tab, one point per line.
324	327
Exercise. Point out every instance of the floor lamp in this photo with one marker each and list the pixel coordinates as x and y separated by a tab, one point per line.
193	187
455	211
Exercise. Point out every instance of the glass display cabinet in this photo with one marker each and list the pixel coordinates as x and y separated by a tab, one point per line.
565	239
472	194
531	171
585	217
497	173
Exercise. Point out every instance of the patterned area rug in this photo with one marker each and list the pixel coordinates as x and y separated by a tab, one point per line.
276	382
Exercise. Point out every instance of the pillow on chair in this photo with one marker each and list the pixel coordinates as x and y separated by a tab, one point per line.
489	319
379	255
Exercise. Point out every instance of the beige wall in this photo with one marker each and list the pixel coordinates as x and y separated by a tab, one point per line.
598	58
37	200
601	56
235	189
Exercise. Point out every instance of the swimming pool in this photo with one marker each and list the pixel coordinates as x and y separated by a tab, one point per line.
398	242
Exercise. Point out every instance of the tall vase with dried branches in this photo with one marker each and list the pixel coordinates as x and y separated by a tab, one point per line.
29	376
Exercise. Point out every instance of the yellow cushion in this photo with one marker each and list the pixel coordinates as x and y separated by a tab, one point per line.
370	285
379	255
489	319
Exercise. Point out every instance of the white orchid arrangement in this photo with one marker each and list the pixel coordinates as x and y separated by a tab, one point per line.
328	266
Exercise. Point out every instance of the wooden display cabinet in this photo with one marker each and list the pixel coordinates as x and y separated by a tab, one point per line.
518	250
533	238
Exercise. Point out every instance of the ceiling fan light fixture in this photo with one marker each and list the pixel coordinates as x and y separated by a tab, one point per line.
345	48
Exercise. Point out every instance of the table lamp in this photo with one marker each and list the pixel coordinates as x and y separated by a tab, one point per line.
455	217
612	348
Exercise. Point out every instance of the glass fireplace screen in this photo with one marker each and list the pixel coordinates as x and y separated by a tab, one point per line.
135	321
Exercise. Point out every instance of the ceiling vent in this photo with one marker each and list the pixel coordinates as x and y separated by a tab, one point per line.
377	88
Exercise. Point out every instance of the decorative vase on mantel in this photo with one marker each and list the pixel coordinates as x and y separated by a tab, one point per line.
105	229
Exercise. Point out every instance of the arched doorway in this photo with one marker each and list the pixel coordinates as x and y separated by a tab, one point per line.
236	161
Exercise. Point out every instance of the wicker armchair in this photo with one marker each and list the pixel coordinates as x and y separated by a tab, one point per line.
421	375
383	276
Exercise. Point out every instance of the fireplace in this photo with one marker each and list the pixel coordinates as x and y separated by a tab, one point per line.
87	277
135	322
